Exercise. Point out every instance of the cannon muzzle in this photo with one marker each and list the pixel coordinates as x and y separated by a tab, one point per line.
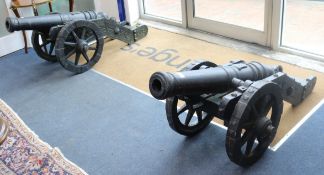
47	21
11	23
218	79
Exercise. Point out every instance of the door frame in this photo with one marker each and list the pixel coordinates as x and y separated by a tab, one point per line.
182	23
271	36
278	20
231	30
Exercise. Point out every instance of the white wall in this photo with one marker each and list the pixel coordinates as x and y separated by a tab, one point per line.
132	11
110	7
14	41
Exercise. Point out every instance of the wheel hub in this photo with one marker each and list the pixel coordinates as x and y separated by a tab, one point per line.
264	127
83	45
72	42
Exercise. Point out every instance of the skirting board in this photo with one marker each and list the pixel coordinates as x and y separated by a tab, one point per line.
13	42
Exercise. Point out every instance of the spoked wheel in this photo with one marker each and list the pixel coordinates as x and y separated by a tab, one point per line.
43	46
79	46
254	123
189	119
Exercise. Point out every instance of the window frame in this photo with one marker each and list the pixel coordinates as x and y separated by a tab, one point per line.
273	28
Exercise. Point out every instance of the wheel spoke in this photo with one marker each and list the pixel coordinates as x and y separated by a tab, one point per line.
85	56
70	54
246	136
51	48
83	33
262	139
90	38
70	44
92	48
77	58
199	114
249	146
189	116
92	42
44	43
75	36
255	111
265	106
182	109
45	49
247	125
44	40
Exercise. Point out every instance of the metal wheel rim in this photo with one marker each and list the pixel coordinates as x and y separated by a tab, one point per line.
45	49
80	47
193	120
236	138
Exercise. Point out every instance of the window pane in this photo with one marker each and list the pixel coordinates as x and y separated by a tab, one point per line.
245	13
170	9
303	26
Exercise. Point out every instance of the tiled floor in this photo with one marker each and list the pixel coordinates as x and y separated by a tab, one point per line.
303	22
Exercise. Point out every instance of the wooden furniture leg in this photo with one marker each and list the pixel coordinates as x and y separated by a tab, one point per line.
71	3
23	32
35	10
50	6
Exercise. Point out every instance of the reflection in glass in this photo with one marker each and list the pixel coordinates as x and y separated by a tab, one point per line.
170	9
245	13
303	25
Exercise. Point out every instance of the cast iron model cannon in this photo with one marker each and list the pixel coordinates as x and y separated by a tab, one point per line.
248	97
75	35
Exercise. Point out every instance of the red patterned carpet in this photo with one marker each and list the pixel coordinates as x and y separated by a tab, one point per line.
24	153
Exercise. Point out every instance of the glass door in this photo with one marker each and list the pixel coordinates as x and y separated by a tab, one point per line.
247	20
164	9
167	11
303	27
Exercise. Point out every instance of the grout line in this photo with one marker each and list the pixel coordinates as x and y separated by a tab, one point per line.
274	148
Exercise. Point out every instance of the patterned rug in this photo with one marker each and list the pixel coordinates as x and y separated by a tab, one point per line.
24	153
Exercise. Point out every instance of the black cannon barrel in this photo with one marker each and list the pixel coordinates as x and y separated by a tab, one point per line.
47	21
218	79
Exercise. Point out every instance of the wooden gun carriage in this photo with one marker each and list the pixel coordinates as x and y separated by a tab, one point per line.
74	39
248	97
